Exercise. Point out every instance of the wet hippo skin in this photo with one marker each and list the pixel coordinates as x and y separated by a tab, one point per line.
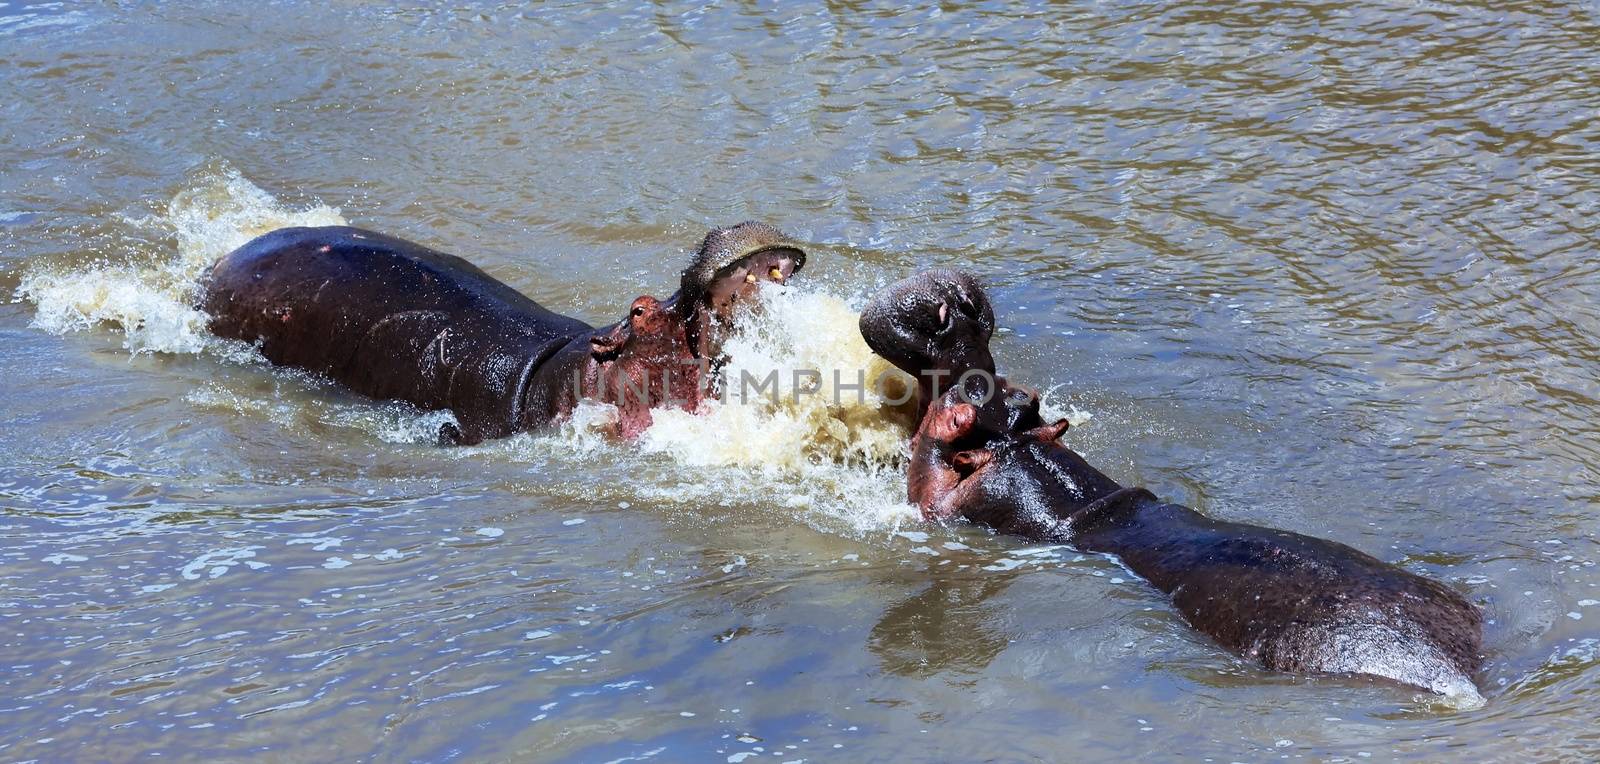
934	326
393	319
1285	601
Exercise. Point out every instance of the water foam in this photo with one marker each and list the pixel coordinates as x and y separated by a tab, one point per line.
825	437
832	457
822	401
152	301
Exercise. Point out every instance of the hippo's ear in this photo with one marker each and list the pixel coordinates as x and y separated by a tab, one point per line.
968	462
1050	433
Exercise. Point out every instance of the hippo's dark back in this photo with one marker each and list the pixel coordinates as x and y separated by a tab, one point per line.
1297	603
388	318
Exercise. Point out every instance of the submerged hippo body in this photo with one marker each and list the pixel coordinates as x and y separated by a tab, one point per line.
1287	602
395	320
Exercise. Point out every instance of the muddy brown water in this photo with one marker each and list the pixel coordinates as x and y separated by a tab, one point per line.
1324	266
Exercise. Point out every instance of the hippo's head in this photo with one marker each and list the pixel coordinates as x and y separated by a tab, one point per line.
643	362
728	269
934	326
662	352
650	336
960	437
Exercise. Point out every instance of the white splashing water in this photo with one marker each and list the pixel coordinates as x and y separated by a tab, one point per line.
828	459
832	458
153	303
836	451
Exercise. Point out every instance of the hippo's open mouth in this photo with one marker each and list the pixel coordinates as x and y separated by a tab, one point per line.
741	280
728	270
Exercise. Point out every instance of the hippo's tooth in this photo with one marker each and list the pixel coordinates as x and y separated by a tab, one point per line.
776	273
749	278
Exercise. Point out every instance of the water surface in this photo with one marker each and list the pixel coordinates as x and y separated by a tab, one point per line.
1328	267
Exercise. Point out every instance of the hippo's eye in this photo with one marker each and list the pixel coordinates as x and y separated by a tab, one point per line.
639	311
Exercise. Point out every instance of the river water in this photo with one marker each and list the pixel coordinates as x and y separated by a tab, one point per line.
1329	267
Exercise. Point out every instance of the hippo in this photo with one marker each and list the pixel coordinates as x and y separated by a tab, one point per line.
392	319
934	326
1285	601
